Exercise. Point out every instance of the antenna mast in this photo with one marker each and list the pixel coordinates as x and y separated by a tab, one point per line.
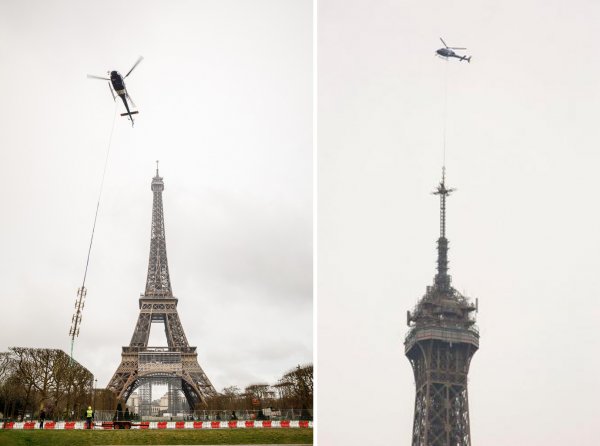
442	279
76	319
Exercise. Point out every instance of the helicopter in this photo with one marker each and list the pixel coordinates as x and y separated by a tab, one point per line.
117	84
447	52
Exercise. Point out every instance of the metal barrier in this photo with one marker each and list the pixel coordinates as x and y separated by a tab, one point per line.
263	414
214	415
77	425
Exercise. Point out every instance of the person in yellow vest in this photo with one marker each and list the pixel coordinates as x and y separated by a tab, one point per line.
89	415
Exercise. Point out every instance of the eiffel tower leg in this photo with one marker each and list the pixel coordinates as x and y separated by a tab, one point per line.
122	381
142	330
174	331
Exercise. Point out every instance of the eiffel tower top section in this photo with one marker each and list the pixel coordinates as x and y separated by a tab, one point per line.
442	310
158	282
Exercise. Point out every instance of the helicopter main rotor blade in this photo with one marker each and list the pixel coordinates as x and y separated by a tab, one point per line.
444	42
91	76
456	48
134	65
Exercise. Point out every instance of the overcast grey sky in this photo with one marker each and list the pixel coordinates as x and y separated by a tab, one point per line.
225	100
225	103
523	147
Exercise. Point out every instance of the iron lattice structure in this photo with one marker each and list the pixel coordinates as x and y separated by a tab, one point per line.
176	364
439	345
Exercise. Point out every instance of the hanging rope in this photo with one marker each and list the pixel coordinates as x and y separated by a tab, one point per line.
445	112
81	292
87	262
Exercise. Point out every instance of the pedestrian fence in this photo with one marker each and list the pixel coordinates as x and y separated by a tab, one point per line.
235	424
212	415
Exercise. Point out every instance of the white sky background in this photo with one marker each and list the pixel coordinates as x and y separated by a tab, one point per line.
225	100
523	149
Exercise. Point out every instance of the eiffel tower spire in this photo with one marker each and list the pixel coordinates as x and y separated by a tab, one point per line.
158	282
442	279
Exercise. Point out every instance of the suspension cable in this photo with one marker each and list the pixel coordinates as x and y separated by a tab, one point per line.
445	111
81	292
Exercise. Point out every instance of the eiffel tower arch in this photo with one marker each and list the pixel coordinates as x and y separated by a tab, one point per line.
176	364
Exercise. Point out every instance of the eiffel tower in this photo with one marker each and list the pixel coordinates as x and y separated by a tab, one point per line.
175	365
439	345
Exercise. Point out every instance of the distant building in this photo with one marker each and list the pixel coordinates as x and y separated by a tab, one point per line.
134	403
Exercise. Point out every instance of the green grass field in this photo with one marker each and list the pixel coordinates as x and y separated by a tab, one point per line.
109	437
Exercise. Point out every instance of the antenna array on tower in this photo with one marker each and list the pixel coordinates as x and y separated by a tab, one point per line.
76	319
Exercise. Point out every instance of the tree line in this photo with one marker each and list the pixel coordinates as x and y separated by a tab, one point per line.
36	379
294	390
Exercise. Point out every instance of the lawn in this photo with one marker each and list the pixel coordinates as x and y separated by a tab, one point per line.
197	436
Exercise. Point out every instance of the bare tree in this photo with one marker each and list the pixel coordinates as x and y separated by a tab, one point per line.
7	366
32	379
296	388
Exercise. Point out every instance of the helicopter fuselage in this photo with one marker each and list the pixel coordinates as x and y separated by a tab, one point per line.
447	52
118	83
